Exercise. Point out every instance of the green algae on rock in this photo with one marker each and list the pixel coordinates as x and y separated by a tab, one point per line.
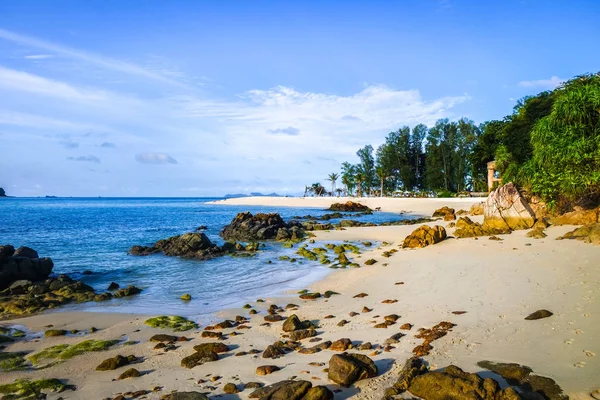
10	361
176	323
27	389
65	351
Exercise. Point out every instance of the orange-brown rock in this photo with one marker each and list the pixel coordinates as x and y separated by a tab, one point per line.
424	236
445	212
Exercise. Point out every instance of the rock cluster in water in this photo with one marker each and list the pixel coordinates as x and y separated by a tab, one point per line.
22	264
246	227
189	245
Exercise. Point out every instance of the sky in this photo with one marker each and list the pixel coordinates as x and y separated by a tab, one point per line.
204	98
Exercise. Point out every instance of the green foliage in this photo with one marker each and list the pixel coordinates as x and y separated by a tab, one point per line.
26	389
176	323
565	167
65	351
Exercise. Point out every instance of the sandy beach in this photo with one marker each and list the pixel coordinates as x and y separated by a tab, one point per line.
497	283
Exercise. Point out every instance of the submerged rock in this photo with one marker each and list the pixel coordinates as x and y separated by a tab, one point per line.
424	236
189	245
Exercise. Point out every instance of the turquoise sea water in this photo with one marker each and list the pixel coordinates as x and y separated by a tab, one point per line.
95	234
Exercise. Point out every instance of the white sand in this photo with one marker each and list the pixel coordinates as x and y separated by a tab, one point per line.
498	283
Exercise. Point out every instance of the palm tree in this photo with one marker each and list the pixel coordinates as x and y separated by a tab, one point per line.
339	192
317	189
348	178
360	177
380	172
332	178
307	190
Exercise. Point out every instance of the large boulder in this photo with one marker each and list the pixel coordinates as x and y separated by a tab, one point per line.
452	383
579	216
424	236
588	233
505	208
466	228
246	227
347	368
292	390
348	206
22	264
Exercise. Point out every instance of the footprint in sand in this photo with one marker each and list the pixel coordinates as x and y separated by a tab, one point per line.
580	364
589	353
578	331
570	341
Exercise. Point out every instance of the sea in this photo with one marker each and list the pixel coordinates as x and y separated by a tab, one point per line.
95	234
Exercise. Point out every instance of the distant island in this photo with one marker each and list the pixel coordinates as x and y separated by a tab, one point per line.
255	194
2	193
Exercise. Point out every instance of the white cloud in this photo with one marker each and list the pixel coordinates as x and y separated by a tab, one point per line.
38	56
551	83
155	158
101	61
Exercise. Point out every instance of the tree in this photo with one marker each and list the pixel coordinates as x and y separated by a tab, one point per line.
360	178
565	167
419	133
333	177
339	192
348	178
318	189
307	190
366	167
381	174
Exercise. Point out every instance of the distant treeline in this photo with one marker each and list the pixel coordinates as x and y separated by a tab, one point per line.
549	145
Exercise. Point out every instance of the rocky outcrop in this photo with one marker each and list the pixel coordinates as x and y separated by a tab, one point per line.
190	245
579	216
348	206
347	368
466	228
246	227
452	383
523	378
505	208
477	209
292	390
588	233
22	264
424	236
445	212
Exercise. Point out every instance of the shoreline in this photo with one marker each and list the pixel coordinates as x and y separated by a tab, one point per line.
498	283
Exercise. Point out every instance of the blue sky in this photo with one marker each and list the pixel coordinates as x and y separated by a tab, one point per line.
193	98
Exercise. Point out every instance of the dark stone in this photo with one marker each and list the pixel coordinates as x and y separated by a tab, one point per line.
115	362
293	323
347	368
349	206
199	358
113	286
128	291
217	347
539	314
130	373
284	390
185	396
246	227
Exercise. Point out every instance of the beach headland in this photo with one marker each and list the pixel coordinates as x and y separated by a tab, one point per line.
485	287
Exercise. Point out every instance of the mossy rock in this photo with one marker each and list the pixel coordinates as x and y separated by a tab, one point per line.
320	250
65	351
186	297
303	291
330	246
284	258
27	389
329	293
55	332
130	373
309	255
178	324
324	260
367	244
370	261
343	259
288	245
12	361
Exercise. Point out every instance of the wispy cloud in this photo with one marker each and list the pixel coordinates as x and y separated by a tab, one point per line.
105	62
155	158
91	159
291	131
108	145
70	144
550	83
38	56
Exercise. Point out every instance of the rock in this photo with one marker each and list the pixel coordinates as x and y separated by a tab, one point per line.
347	368
370	261
246	227
477	209
579	216
445	212
318	393
199	358
588	233
230	388
329	293
505	208
273	352
128	291
216	347
406	327
26	252
310	296
395	338
55	332
536	233
595	394
424	236
341	345
266	369
273	318
185	297
466	228
412	368
253	385
539	314
113	286
302	334
185	396
348	206
453	383
365	346
293	323
523	377
164	338
115	362
189	245
284	390
130	373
